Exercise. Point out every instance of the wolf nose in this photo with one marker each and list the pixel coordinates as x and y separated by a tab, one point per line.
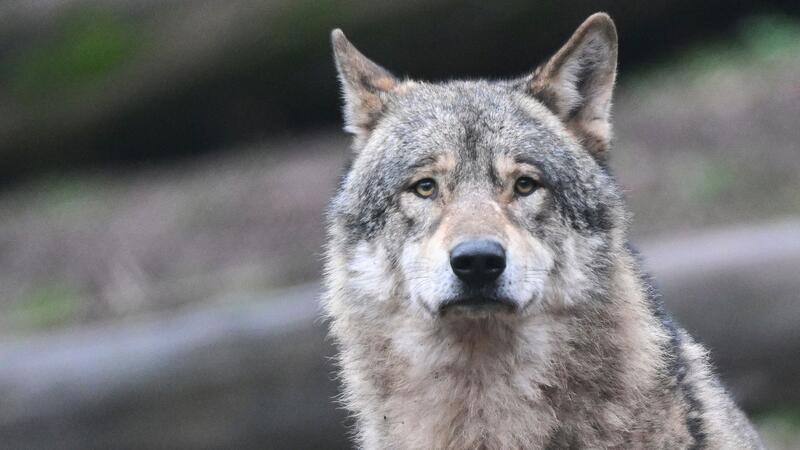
478	261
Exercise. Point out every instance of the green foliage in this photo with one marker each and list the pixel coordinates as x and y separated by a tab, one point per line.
713	180
66	193
780	426
759	39
46	306
788	415
295	30
769	37
88	46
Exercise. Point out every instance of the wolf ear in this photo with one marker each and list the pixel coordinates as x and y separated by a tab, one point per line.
577	83
365	86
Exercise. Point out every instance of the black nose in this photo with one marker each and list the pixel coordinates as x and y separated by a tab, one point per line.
479	261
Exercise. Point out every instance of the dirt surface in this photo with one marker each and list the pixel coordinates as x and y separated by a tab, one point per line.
711	148
91	247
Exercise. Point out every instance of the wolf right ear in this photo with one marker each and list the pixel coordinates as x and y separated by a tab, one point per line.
365	86
577	83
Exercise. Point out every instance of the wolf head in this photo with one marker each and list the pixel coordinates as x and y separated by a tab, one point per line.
476	198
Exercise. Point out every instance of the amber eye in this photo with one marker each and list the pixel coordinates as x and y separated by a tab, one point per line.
525	186
425	188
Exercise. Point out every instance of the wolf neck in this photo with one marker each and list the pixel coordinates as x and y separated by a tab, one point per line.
468	384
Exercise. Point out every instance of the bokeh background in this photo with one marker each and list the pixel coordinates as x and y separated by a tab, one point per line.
165	166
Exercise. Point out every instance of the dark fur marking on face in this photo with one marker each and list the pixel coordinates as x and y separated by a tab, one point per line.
471	136
366	225
535	162
494	177
423	162
410	222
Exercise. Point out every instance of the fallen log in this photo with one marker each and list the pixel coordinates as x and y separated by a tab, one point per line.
247	375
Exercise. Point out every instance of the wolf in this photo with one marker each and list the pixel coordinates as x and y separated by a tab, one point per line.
479	284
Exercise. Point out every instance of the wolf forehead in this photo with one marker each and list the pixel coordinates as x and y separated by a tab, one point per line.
475	125
475	120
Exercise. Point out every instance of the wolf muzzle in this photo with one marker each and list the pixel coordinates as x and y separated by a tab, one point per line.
478	262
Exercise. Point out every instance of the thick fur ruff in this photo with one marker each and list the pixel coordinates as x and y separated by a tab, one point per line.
581	354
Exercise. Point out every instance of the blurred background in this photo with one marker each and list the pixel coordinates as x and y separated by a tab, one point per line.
165	166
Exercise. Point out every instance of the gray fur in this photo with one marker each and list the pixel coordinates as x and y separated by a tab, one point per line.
586	357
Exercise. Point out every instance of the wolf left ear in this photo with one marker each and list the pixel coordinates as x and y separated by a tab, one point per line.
578	81
365	86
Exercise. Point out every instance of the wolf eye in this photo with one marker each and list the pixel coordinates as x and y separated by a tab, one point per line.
525	186
425	188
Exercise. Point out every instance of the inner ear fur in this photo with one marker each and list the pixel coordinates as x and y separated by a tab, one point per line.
365	86
577	83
